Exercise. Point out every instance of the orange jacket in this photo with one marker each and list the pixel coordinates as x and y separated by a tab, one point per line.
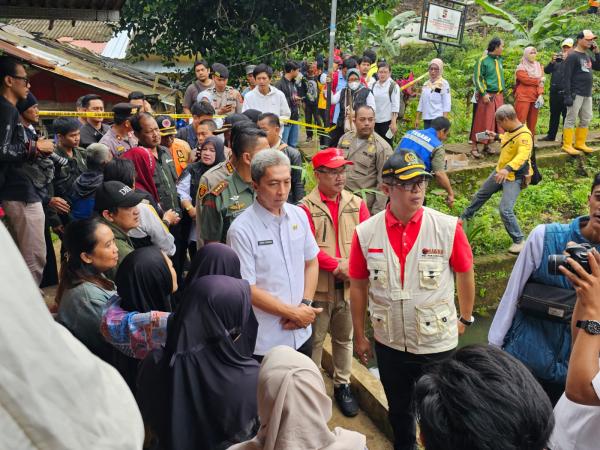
527	89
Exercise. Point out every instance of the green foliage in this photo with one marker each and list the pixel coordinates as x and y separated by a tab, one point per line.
541	31
560	197
235	31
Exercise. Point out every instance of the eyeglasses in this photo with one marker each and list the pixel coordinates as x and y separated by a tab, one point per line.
333	173
25	79
411	186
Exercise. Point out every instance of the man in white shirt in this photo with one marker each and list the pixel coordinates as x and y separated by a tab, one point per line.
278	255
387	102
266	98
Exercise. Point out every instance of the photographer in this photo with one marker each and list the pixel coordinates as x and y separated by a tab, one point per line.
543	342
577	413
577	84
557	104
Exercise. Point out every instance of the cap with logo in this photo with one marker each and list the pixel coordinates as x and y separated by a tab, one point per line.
125	110
250	69
568	42
586	34
114	194
220	70
331	158
404	165
166	125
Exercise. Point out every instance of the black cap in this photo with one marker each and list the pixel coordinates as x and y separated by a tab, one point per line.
25	103
125	110
404	165
114	194
136	95
166	125
220	70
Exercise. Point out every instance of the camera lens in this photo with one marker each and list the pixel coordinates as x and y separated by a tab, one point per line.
554	262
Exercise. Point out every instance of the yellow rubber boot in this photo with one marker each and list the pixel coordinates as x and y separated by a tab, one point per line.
567	146
580	137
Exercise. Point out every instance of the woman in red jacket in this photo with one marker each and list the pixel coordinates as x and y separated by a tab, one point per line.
529	89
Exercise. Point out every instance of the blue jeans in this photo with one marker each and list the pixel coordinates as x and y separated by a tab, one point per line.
510	192
290	135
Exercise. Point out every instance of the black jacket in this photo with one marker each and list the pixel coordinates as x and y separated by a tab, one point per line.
358	97
297	190
165	179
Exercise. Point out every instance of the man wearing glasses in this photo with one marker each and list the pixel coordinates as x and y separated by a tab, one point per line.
333	214
404	261
21	200
368	151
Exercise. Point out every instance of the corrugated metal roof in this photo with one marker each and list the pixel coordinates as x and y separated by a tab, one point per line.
116	48
83	66
99	10
83	30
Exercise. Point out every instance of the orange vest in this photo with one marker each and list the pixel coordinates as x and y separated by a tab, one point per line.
180	150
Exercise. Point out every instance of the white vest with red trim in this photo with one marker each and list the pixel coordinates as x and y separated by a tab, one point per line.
419	317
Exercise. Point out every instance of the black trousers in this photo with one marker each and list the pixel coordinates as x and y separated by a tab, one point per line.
399	372
336	134
382	128
305	349
557	109
324	138
311	115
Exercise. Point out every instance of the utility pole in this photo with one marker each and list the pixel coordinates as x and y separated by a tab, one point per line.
332	27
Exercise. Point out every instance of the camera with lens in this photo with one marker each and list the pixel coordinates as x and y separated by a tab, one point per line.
559	57
578	252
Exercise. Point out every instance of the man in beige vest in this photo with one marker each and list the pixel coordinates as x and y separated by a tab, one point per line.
403	262
333	214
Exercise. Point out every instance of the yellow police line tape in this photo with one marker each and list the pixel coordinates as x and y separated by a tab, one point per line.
110	115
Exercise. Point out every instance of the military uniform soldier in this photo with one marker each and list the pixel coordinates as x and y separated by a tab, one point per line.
222	205
368	151
211	178
228	198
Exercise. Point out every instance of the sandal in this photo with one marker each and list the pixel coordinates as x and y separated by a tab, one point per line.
487	149
475	154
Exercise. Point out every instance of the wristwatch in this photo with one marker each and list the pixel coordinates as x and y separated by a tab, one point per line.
306	302
589	326
465	322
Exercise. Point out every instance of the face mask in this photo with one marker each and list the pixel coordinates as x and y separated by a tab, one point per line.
354	85
531	57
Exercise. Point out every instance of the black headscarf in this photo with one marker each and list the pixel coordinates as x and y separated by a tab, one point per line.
144	283
214	259
200	391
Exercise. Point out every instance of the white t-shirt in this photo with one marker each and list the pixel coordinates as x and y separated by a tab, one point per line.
385	104
274	102
577	426
434	104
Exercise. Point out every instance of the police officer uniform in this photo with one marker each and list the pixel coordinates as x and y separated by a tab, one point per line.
229	96
368	156
410	268
227	200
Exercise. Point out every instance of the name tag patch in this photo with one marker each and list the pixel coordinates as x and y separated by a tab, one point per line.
375	250
265	242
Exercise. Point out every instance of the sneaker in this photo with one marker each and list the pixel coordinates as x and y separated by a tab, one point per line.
345	400
516	248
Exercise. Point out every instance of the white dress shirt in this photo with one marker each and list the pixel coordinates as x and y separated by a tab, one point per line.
273	251
274	102
576	426
434	104
385	103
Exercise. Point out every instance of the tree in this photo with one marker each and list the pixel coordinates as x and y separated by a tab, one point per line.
542	32
234	32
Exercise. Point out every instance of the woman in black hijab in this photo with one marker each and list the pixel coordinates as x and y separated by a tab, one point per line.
200	391
145	281
214	259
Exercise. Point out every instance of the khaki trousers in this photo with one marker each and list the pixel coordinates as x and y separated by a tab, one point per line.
27	221
337	320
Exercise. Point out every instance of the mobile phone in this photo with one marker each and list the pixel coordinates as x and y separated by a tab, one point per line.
483	136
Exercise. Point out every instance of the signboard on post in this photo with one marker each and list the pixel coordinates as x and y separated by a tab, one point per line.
443	22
